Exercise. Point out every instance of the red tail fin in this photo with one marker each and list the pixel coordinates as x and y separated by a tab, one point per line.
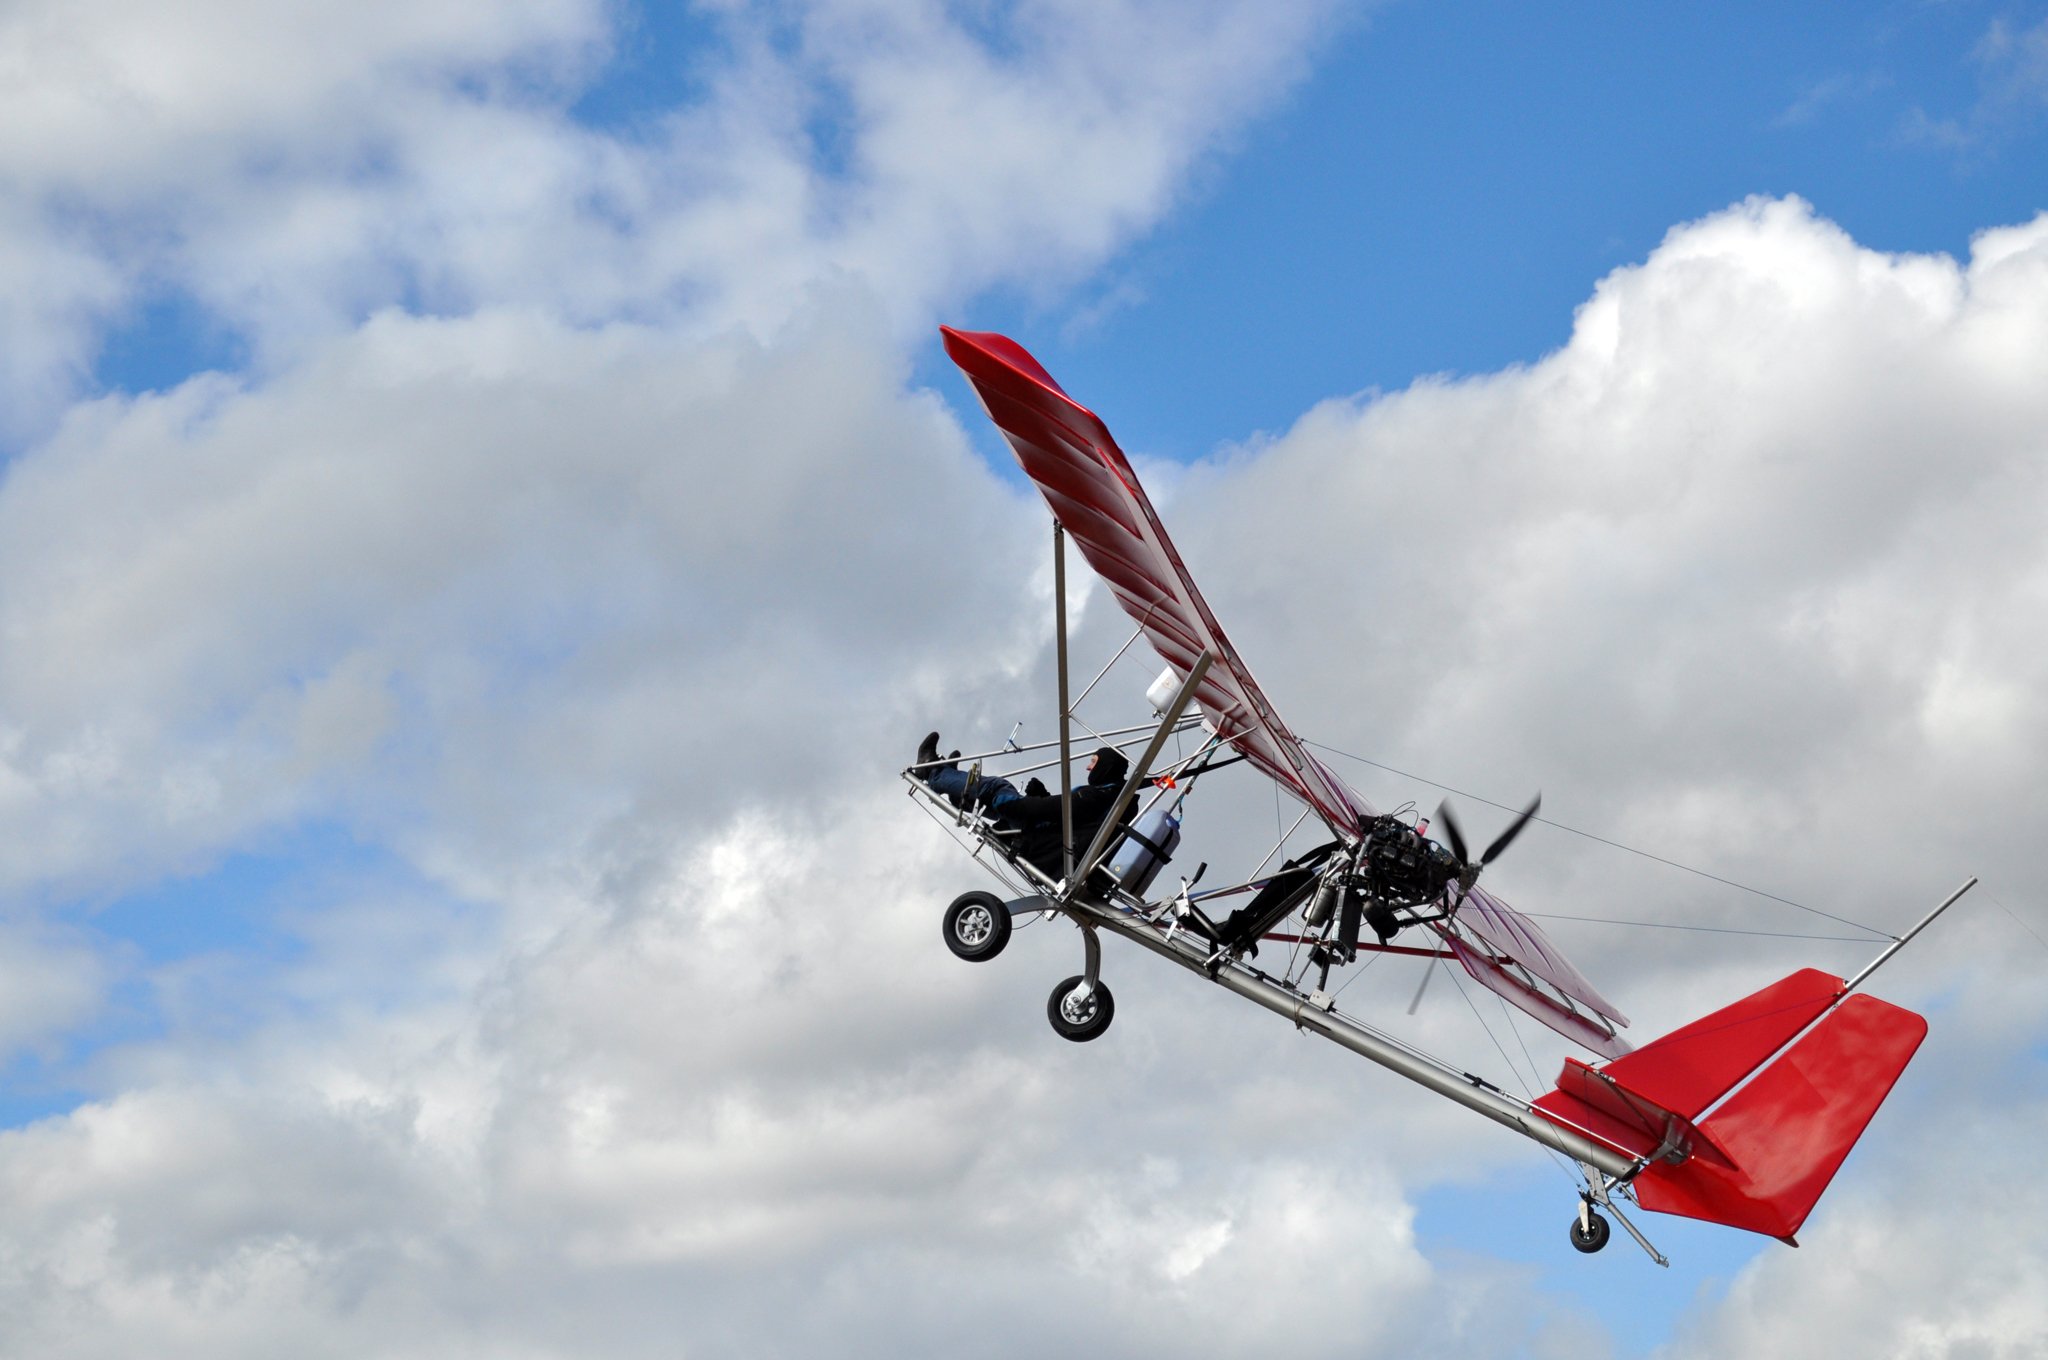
1761	1160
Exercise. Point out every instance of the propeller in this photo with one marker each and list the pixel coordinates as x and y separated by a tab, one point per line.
1427	974
1468	872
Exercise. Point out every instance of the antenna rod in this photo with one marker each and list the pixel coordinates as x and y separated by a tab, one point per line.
1900	943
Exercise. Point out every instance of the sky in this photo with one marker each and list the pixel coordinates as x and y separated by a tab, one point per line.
484	517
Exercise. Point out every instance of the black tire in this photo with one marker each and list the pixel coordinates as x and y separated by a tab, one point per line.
977	926
1593	1237
1085	1021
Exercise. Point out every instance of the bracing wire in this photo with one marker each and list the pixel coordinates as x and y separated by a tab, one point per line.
2020	922
1358	973
1535	1073
1713	930
1630	849
1556	1159
1493	1038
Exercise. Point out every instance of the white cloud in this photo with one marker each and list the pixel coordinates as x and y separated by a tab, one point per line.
1749	573
2012	92
606	615
292	169
716	1059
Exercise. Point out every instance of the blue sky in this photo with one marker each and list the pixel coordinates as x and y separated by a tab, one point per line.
484	503
1429	201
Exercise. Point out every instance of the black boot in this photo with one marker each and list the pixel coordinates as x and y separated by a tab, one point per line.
928	749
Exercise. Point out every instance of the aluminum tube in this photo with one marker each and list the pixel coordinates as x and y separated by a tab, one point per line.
1443	1080
1112	824
1900	943
1059	615
1117	733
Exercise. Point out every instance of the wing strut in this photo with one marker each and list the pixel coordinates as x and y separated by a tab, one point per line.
1059	615
1111	824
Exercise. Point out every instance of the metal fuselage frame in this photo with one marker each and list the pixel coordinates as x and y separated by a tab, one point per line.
1153	926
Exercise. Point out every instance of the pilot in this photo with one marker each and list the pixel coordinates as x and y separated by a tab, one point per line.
1035	813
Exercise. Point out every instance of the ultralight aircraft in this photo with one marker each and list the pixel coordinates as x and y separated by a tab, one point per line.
1741	1117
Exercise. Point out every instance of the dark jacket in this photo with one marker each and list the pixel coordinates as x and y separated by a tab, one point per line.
1039	817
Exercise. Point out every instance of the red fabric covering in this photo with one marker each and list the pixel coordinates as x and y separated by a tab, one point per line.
1787	1132
1091	489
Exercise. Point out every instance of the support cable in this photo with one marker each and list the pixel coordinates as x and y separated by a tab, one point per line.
1672	863
2020	922
1713	930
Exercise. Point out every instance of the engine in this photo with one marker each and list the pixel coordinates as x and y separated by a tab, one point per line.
1402	866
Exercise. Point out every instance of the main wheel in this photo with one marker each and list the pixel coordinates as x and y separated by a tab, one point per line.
1080	1018
977	926
1591	1238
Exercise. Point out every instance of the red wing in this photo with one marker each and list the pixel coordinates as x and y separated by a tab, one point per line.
1503	930
1091	489
1486	932
1534	1001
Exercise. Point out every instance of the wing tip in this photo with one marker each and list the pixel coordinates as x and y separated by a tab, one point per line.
960	345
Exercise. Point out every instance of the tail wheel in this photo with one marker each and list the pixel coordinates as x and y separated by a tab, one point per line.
977	926
1591	1237
1080	1018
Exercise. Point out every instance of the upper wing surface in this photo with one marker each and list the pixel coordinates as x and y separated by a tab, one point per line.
1506	931
1508	954
1092	491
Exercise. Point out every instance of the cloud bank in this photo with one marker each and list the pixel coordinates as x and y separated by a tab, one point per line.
576	547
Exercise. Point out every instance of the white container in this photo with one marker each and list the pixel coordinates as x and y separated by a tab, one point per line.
1148	848
1162	691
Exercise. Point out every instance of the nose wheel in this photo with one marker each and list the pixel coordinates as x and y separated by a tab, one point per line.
1589	1230
1078	1012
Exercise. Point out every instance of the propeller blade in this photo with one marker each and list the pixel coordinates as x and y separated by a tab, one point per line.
1502	841
1427	974
1451	831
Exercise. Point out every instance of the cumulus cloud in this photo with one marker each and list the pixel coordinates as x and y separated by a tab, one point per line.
581	544
293	169
1748	574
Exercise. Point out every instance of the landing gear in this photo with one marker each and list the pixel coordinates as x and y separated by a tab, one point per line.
1080	1016
1589	1229
977	926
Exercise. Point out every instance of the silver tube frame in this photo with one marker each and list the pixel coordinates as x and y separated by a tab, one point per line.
1474	1093
1110	828
1059	607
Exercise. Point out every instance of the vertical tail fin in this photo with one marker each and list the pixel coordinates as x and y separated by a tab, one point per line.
1788	1130
1761	1158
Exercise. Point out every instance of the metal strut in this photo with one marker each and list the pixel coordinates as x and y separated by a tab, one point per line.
1598	1184
1111	827
1091	966
1059	615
